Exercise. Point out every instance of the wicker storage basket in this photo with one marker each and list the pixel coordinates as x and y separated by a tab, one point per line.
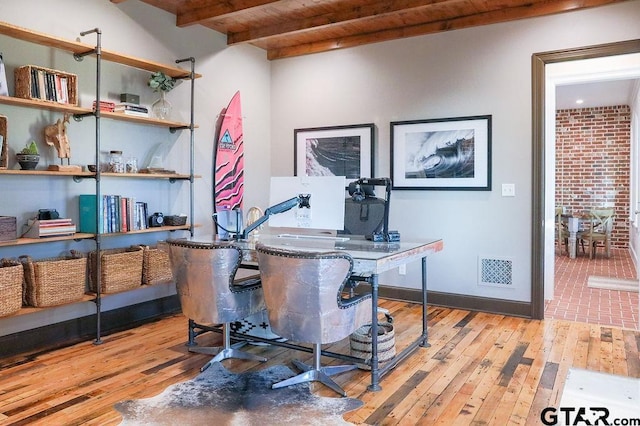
156	266
54	281
46	80
11	279
175	220
361	343
120	269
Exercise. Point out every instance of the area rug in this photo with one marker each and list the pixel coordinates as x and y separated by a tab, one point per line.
609	283
218	396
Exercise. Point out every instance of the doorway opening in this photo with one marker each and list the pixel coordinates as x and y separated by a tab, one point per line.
549	70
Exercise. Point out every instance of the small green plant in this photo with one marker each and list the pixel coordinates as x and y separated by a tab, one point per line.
159	81
31	148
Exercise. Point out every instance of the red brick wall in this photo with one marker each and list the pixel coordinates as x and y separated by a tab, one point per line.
593	152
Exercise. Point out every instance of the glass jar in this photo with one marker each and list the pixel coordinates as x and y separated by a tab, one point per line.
116	162
132	165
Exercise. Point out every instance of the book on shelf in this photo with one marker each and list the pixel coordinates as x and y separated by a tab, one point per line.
105	106
132	113
49	228
119	214
128	106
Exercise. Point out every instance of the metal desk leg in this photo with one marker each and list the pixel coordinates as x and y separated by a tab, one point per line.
425	334
375	374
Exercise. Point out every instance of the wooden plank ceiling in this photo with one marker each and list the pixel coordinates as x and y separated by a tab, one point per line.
286	28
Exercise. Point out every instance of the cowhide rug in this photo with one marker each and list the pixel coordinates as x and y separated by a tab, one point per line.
218	396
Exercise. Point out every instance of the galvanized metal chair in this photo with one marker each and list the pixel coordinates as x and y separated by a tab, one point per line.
303	294
210	294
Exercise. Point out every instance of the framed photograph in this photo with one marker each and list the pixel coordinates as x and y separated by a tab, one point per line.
334	151
442	154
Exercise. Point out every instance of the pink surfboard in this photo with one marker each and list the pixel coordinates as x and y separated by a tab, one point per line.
229	159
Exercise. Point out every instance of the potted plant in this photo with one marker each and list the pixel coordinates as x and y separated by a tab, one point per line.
160	82
29	156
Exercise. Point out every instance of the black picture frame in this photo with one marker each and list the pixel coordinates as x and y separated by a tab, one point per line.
334	151
442	154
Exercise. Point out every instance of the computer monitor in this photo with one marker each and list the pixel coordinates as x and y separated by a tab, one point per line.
326	202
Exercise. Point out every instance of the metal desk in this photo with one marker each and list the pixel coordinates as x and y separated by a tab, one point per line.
370	259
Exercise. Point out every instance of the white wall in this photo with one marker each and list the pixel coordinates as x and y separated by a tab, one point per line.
474	71
140	30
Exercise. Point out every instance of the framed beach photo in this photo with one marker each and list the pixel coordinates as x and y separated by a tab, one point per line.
442	154
334	151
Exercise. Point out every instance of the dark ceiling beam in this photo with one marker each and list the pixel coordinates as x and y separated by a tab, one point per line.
332	19
485	18
197	12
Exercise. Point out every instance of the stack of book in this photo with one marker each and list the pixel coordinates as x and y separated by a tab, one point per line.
119	214
105	106
50	228
132	109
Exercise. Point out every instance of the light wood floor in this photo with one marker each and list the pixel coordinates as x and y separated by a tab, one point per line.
480	369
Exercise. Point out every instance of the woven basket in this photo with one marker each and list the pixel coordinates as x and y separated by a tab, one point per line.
361	343
54	281
120	269
156	266
25	82
175	220
11	281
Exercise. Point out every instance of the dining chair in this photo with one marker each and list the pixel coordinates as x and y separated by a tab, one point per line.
303	293
600	226
561	232
210	294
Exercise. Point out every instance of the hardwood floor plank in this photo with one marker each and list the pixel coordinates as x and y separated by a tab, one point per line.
481	369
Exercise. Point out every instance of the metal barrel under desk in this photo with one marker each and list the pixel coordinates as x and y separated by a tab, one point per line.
370	259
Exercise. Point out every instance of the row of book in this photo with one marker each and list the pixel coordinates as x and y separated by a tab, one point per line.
49	86
49	228
127	108
119	214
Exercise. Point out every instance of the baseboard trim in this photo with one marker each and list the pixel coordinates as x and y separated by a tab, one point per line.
459	301
84	328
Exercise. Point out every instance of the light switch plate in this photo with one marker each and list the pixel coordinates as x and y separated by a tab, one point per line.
508	190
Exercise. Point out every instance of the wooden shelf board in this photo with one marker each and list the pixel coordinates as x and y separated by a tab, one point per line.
85	236
53	106
38	172
80	48
24	241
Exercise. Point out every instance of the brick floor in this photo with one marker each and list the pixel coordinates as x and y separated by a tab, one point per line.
574	301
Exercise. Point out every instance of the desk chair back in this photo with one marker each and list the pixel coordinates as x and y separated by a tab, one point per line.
363	212
205	282
303	294
210	294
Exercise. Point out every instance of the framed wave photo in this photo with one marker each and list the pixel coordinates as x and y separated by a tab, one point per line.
442	154
334	151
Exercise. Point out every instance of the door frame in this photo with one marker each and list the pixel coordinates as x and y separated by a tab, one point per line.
538	80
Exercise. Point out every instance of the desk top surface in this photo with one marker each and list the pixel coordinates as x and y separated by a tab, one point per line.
368	256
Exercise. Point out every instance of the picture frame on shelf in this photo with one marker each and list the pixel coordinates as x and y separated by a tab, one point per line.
442	154
334	151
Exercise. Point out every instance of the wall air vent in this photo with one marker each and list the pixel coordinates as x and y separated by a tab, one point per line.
495	272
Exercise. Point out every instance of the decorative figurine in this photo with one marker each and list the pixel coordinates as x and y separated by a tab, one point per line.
56	135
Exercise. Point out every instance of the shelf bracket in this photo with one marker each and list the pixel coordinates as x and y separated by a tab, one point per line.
80	56
176	128
79	117
78	179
